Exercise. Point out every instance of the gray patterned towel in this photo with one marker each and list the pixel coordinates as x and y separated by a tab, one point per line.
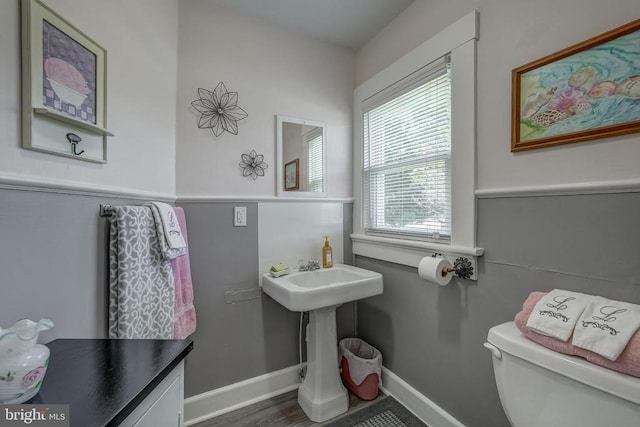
141	286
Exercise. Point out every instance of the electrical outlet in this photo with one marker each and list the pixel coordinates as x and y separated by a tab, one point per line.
240	216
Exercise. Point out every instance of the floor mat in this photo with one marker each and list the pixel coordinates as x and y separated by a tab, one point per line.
385	413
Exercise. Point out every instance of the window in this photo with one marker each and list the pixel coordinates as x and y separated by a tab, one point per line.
407	157
414	136
313	139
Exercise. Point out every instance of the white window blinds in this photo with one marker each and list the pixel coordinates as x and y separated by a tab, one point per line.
407	156
314	144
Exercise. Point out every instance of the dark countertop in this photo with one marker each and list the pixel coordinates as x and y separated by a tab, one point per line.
104	380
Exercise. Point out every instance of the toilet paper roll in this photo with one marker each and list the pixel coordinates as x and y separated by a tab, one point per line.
430	269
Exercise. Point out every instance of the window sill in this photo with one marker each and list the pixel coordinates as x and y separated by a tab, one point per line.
410	252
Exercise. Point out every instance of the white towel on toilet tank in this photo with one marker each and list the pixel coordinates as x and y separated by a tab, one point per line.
606	327
557	313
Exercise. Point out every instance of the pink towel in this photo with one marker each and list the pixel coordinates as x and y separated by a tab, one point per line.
628	362
184	311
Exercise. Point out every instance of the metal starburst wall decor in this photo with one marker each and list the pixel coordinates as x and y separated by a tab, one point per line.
219	110
253	164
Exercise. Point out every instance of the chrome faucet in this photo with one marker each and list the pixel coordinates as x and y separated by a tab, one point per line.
309	266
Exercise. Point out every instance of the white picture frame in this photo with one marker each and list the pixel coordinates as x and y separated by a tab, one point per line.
63	87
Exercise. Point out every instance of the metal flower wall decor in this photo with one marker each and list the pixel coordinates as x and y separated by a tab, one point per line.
219	110
253	164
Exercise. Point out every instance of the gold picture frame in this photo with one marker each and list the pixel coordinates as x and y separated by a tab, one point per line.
292	175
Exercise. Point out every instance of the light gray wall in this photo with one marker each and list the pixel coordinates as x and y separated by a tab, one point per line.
258	64
432	336
234	340
141	85
53	261
242	333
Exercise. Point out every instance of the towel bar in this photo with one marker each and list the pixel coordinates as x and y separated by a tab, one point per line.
106	210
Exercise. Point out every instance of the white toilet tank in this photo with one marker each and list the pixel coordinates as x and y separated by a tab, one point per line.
540	387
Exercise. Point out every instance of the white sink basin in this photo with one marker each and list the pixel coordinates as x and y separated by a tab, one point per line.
310	290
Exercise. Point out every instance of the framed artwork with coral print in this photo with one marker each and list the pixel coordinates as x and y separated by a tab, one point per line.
63	87
587	91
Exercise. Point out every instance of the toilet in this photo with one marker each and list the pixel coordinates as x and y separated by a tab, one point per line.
540	387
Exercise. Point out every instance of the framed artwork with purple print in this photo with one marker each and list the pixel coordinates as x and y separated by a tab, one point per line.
63	89
69	75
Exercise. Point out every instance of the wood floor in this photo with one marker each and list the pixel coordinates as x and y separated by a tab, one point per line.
279	411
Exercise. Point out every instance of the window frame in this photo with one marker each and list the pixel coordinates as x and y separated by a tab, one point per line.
425	76
459	41
317	140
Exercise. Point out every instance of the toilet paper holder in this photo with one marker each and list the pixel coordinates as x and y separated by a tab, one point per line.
462	267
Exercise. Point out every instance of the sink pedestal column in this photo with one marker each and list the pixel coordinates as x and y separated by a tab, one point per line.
322	395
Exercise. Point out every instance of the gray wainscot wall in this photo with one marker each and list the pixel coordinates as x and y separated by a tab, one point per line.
432	336
54	260
242	333
53	255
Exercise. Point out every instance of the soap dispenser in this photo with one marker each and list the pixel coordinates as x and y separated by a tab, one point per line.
327	254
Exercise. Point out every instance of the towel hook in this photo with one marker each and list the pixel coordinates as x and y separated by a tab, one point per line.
74	140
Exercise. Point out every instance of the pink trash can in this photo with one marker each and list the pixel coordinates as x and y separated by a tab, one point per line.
361	367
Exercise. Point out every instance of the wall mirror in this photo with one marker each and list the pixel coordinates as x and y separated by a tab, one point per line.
301	157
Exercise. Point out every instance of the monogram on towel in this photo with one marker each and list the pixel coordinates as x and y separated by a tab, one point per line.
606	327
559	303
557	313
609	312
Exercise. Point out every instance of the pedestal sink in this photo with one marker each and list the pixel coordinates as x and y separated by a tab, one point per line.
322	395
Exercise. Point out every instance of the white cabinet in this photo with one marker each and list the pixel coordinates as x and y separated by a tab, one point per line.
164	407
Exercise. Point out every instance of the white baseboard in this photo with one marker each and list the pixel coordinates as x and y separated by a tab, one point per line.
421	406
234	396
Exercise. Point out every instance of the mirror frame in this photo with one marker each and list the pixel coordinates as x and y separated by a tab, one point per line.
280	191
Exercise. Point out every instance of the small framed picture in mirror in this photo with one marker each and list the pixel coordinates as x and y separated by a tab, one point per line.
292	175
